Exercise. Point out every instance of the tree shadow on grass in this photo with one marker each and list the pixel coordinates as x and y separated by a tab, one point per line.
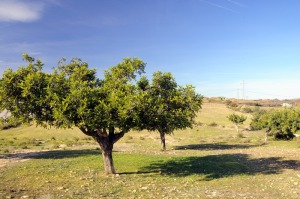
55	154
214	146
220	166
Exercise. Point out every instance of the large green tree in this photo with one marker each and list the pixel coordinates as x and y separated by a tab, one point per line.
72	95
167	106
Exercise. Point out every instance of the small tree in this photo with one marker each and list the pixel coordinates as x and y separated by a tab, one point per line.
73	96
237	120
167	106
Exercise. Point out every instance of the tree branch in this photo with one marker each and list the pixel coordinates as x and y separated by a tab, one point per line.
86	132
101	133
118	136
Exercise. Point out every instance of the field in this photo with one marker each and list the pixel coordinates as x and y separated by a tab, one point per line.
209	161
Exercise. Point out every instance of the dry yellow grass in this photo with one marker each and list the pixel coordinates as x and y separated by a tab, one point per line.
217	112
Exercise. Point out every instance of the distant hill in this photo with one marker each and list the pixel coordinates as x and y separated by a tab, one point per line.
259	102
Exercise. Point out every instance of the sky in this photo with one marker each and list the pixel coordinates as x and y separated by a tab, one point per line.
231	48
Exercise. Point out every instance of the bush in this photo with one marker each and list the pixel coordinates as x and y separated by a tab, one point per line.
231	104
282	124
247	110
213	124
10	122
256	120
240	135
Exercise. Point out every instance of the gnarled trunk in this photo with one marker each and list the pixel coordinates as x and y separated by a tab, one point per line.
106	142
163	140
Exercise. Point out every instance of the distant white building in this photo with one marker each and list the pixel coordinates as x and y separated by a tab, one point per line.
286	105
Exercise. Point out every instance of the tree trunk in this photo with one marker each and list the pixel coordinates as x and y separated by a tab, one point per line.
106	149
106	142
236	127
163	140
266	137
108	161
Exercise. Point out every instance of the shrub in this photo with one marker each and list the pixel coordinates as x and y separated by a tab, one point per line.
6	151
231	104
247	110
240	135
213	124
55	146
256	120
282	124
10	122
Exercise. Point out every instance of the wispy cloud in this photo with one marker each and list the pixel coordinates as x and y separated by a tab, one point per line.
236	3
218	5
228	5
22	11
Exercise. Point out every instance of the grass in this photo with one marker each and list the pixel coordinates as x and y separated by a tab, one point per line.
203	162
216	113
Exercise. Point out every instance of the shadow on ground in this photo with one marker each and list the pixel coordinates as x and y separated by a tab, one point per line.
56	154
220	166
214	146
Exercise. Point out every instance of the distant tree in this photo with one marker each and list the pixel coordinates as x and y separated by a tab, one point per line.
167	106
72	95
237	120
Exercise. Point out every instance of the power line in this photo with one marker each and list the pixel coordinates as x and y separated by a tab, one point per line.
243	84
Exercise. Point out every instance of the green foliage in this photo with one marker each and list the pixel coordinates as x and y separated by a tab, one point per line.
282	124
167	106
256	120
237	119
72	95
23	92
10	122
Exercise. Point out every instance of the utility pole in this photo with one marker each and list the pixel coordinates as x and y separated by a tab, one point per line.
243	85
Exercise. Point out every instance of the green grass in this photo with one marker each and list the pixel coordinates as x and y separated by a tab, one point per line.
78	173
203	162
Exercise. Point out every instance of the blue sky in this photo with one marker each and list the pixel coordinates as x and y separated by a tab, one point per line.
213	44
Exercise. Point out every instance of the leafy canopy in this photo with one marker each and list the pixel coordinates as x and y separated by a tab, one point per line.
167	106
237	119
72	95
283	124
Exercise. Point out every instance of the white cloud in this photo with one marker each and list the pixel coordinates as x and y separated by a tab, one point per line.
17	10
